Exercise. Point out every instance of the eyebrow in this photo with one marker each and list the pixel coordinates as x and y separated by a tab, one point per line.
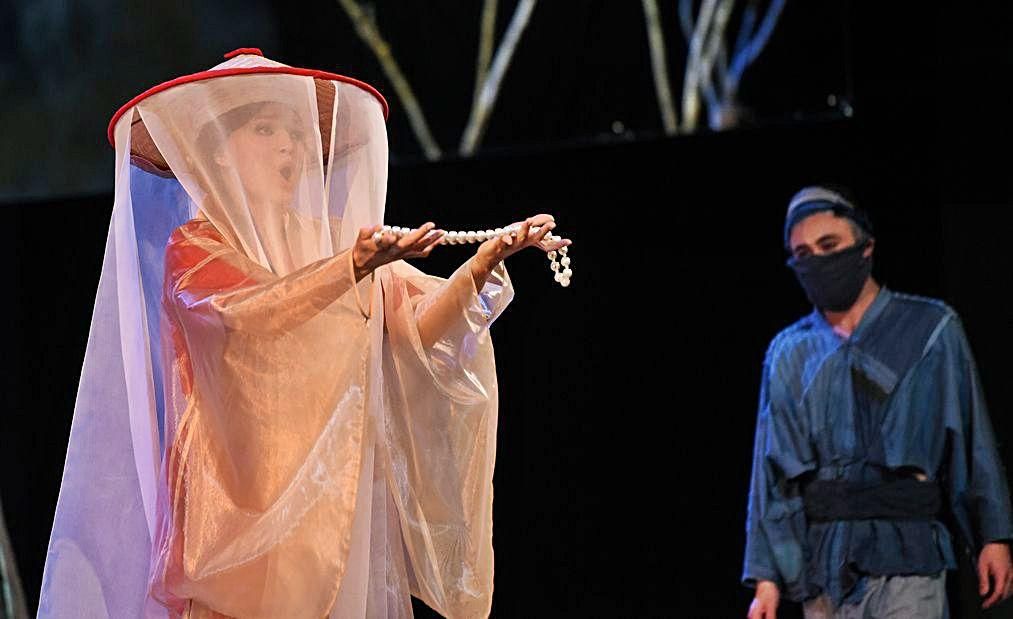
826	237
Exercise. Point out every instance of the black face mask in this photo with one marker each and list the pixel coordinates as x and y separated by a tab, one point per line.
834	281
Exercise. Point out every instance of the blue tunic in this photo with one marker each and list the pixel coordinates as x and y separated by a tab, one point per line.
902	391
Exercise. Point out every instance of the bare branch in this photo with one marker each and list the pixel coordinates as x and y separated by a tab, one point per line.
745	27
710	94
370	34
490	88
690	87
686	19
751	49
714	50
488	33
659	66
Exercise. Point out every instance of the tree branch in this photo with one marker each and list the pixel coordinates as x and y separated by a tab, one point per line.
370	34
490	88
656	41
690	86
486	36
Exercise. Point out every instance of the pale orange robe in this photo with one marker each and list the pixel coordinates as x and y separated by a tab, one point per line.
318	461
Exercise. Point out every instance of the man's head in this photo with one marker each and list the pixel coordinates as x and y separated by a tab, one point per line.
824	209
826	232
831	246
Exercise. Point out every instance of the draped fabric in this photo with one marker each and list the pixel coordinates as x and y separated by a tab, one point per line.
900	395
258	434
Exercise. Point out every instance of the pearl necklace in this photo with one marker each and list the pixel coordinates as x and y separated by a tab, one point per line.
455	237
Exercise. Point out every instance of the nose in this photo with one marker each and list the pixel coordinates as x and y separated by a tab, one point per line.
285	142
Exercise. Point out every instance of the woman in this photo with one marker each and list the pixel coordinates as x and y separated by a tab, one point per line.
329	411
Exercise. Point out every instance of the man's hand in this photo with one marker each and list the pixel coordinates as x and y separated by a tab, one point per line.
994	573
765	602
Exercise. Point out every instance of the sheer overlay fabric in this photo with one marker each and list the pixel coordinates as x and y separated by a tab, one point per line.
256	434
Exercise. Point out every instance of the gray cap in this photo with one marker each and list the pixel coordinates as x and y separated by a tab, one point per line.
814	199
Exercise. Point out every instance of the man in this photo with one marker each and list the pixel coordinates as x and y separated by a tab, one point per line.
872	426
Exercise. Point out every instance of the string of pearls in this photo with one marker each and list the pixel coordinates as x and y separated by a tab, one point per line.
560	268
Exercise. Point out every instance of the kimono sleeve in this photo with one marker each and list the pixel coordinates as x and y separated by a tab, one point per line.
775	522
439	431
265	432
976	479
206	276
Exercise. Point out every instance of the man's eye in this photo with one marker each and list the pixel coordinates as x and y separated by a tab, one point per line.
297	135
264	129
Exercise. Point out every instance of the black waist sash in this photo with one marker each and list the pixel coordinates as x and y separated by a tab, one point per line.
899	499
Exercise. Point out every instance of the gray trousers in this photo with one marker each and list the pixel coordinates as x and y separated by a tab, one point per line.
889	597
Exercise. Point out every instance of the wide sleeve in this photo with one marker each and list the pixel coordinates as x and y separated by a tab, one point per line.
976	480
775	520
206	276
439	430
266	418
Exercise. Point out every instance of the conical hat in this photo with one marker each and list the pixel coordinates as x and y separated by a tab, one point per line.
242	61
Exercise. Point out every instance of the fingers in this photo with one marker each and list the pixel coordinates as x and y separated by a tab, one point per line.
544	222
408	241
1001	576
983	583
383	240
760	609
765	601
425	245
544	230
992	599
541	219
986	574
522	234
412	244
548	246
429	241
367	232
373	233
421	241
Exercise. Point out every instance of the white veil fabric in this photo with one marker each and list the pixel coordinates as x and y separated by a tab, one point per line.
256	433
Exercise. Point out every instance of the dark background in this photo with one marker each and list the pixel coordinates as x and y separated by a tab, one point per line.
627	400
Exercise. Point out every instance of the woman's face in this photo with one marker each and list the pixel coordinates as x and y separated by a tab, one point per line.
267	155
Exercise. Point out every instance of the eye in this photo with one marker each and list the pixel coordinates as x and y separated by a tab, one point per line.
828	246
263	129
297	135
801	253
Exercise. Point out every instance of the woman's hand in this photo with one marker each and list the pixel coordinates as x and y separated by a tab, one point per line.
368	254
495	250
